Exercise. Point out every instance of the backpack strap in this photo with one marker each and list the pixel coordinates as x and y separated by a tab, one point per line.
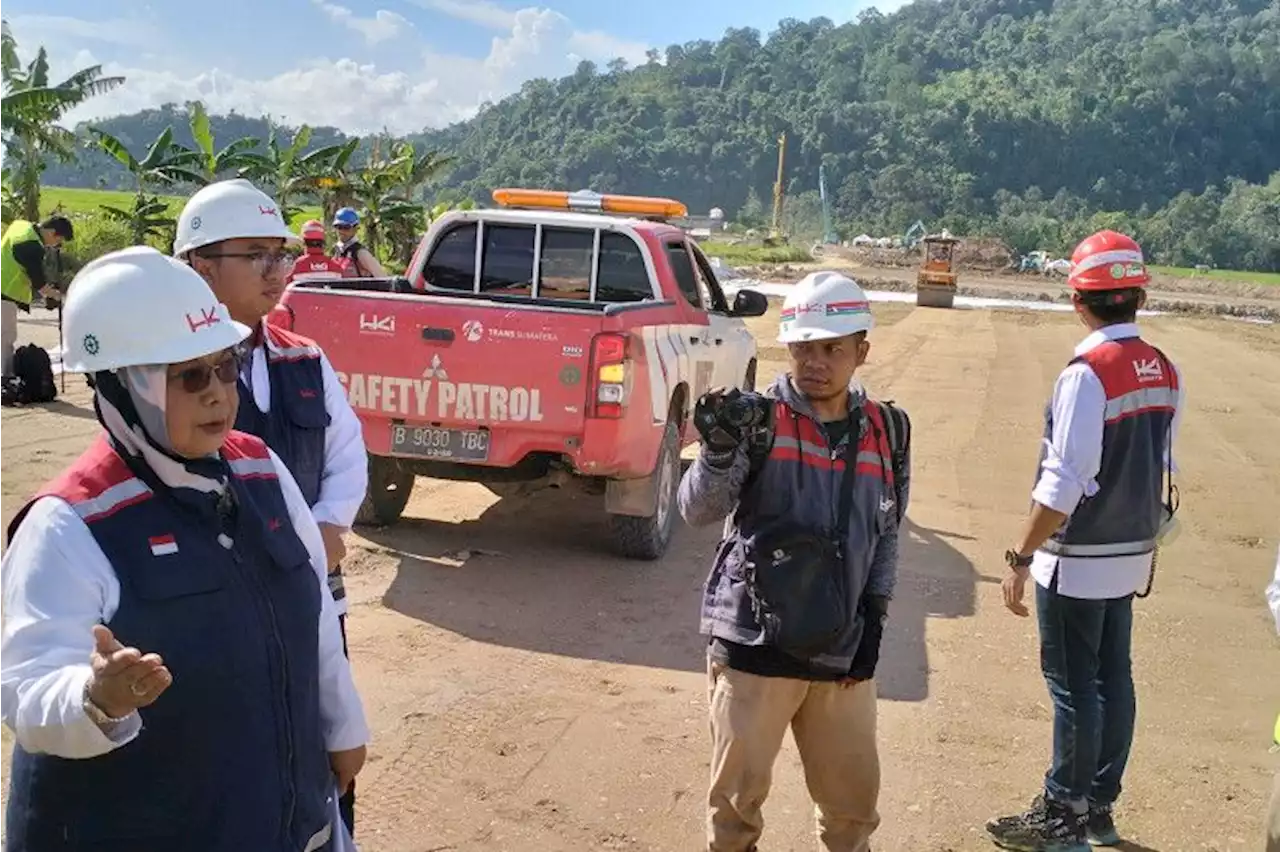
898	426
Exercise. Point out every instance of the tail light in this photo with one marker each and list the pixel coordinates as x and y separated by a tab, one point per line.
610	375
281	316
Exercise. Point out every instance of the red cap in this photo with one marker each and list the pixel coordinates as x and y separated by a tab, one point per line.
1108	260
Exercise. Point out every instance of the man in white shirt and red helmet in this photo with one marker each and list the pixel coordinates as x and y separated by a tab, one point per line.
1099	506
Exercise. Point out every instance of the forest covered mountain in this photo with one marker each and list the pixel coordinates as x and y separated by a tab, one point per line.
1029	118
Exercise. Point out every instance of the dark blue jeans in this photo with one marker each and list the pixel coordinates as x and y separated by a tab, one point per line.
1085	656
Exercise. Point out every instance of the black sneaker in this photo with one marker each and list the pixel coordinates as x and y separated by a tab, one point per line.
1100	829
1047	826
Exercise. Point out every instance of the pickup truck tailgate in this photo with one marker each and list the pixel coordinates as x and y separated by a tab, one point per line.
465	380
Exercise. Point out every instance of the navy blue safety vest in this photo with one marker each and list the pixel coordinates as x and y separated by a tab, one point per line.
231	756
1123	517
799	484
296	423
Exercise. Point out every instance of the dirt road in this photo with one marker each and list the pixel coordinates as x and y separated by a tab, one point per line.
528	691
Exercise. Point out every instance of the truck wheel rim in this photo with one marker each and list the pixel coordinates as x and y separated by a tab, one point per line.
664	490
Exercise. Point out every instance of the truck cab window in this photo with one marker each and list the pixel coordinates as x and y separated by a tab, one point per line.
682	267
507	265
713	296
564	270
452	265
623	276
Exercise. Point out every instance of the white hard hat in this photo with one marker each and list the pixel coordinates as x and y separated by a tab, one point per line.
136	306
822	306
228	210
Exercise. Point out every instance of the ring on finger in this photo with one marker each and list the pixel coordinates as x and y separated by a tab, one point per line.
137	688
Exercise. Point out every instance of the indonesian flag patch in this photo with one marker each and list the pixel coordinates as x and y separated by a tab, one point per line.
163	545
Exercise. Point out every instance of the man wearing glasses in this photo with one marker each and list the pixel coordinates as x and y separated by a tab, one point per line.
234	235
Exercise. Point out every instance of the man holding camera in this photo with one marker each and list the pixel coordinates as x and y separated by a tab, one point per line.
813	479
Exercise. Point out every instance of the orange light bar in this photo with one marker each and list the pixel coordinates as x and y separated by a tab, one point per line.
592	202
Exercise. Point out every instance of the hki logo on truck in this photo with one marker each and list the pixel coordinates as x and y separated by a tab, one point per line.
435	397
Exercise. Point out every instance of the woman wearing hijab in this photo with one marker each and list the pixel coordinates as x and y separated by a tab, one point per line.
172	666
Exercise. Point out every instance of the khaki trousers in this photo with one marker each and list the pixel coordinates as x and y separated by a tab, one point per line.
8	334
1273	818
835	731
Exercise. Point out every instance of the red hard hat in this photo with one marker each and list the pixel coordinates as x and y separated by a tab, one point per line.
313	229
1108	260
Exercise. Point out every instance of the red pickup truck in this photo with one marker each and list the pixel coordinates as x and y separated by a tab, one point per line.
529	346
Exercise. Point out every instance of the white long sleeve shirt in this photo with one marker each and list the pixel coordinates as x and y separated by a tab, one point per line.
1072	463
57	584
1273	594
346	473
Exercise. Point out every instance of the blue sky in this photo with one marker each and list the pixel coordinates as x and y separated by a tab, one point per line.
361	65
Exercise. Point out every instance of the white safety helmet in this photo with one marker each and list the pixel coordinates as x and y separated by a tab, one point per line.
822	306
135	307
228	210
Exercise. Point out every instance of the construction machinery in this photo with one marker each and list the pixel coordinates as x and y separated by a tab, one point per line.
775	230
829	235
936	282
914	234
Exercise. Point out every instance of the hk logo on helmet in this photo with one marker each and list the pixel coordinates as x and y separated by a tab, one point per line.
266	211
206	317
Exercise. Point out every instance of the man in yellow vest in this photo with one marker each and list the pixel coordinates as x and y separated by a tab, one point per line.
22	272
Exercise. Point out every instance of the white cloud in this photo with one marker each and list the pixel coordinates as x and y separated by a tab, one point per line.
50	30
424	88
481	12
382	26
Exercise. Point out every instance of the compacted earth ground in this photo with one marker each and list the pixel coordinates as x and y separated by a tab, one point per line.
527	690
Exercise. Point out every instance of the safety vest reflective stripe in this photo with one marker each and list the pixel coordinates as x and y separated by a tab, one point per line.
799	440
1123	548
111	500
262	468
1141	401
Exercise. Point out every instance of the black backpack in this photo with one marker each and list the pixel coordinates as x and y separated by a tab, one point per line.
32	379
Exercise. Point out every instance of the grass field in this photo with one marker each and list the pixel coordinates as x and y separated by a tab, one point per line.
746	253
1221	274
85	201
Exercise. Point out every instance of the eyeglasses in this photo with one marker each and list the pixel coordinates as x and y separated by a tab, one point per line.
344	227
265	262
196	379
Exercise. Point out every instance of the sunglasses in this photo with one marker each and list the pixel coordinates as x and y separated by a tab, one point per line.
196	379
344	227
265	262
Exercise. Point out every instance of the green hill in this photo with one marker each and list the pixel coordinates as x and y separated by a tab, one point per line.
1032	119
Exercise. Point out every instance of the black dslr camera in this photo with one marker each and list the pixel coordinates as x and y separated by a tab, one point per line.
744	412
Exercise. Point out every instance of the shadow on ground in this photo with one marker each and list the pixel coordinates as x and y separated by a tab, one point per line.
537	573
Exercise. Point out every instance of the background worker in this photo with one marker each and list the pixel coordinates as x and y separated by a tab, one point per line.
171	665
314	264
1273	812
817	496
22	251
360	262
233	235
1099	505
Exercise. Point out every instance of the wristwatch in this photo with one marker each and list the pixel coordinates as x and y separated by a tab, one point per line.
1016	560
96	714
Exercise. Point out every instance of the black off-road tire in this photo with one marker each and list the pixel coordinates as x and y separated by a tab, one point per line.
647	538
390	486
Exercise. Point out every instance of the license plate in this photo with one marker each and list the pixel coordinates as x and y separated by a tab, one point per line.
435	443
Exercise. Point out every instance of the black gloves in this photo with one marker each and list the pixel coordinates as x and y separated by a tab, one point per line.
875	611
719	438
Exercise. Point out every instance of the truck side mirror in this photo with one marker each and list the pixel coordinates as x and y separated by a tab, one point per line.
750	303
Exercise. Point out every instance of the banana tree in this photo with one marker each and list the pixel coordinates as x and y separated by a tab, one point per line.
32	108
165	164
212	162
387	188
